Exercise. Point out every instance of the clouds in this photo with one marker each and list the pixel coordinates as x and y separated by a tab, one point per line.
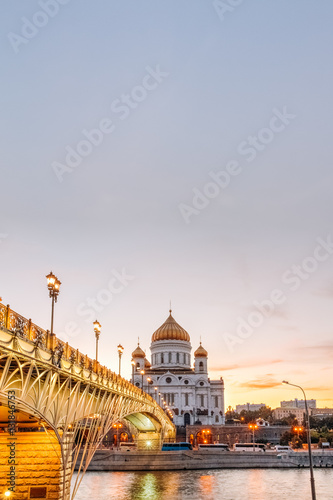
321	352
265	382
268	381
245	365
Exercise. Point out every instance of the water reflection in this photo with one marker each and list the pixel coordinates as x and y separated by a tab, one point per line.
146	487
206	484
246	484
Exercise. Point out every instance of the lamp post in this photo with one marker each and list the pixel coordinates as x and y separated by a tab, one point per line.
97	330
148	382
133	365
142	374
120	352
53	285
155	388
253	427
312	481
298	430
118	426
159	398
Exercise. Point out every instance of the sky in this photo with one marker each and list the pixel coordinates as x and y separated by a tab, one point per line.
174	150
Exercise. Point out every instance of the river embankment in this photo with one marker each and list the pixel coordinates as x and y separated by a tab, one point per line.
112	460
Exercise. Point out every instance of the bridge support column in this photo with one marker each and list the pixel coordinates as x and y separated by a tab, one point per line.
31	466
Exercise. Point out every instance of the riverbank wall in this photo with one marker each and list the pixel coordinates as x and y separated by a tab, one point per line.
110	460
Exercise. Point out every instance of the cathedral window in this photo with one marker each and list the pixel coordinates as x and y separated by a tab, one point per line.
168	380
186	398
186	382
170	357
216	401
170	398
177	357
202	400
201	366
162	358
216	418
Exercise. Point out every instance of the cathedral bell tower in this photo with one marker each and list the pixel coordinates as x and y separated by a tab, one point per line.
200	360
138	356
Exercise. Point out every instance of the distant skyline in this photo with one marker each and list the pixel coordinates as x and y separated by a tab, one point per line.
157	151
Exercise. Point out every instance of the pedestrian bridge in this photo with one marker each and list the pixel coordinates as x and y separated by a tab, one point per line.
56	406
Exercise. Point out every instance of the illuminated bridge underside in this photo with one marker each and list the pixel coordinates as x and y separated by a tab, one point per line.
69	394
144	422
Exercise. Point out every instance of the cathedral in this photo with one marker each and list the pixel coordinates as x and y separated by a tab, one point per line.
170	378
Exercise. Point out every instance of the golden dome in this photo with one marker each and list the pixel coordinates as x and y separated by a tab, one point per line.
138	353
147	364
170	330
201	352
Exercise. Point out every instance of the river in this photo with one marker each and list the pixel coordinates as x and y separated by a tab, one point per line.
226	484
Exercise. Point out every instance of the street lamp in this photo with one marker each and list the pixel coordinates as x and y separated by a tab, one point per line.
118	426
148	382
155	388
133	365
253	427
298	430
97	330
159	398
142	374
312	481
120	352
53	285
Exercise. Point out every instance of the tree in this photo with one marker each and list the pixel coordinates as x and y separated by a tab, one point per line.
266	413
286	438
296	441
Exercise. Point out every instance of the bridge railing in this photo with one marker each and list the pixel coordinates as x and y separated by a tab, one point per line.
28	331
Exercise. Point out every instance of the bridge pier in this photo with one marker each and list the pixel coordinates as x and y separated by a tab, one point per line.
31	466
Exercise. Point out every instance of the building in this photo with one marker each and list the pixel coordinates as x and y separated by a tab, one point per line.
298	403
285	412
262	423
170	378
231	434
321	412
250	407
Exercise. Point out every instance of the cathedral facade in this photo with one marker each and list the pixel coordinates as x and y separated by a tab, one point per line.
169	377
